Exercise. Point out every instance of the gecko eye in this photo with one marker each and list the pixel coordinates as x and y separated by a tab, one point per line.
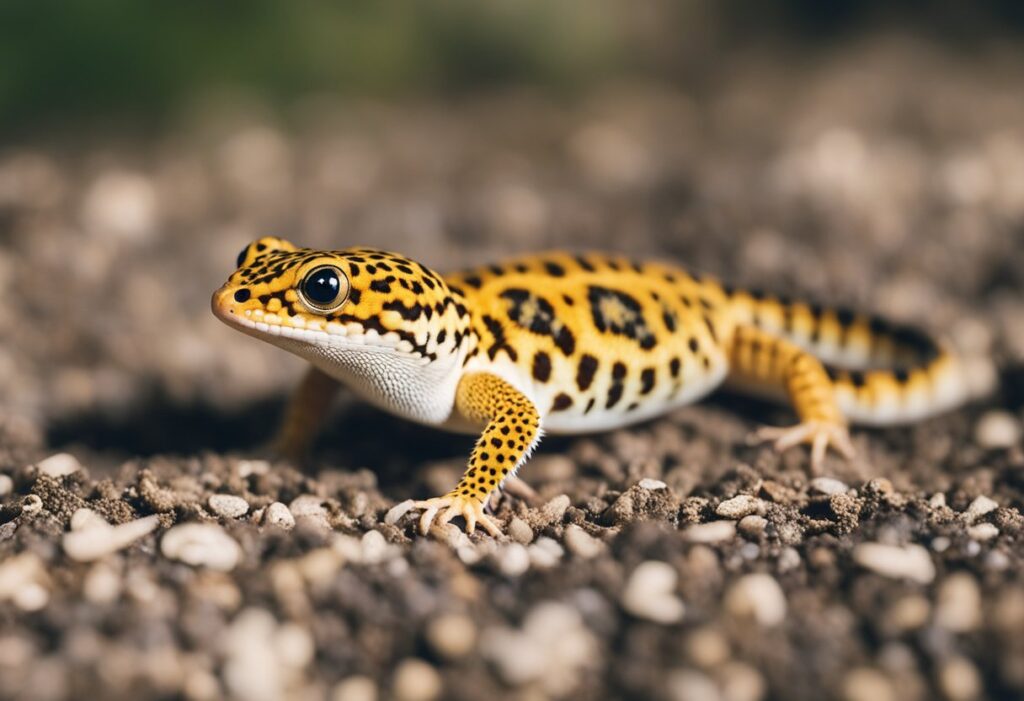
324	289
241	257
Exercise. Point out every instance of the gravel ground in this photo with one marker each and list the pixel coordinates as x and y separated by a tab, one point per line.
149	550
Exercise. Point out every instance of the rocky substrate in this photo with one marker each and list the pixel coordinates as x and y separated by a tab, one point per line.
147	551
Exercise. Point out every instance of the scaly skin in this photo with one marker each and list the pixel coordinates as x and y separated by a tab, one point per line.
565	343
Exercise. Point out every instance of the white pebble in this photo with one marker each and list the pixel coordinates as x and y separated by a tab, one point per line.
415	680
752	526
6	485
983	531
958	605
650	593
828	486
979	507
960	680
789	559
867	684
96	541
581	543
59	465
554	510
691	685
712	532
201	545
513	559
453	635
277	514
757	597
545	553
373	547
311	508
937	501
84	519
228	505
24	581
898	562
355	688
651	484
396	512
520	531
102	584
997	430
739	506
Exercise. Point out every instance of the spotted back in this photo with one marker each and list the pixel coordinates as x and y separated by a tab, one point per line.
597	340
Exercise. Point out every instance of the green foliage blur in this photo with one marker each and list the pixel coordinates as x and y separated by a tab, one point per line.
73	60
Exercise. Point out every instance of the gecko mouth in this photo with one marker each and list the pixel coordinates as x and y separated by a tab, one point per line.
308	330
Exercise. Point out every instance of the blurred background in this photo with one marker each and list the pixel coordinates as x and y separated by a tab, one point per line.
857	152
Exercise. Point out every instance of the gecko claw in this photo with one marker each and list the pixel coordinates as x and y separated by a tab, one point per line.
452	505
819	434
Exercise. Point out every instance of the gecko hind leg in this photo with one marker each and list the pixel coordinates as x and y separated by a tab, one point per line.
760	357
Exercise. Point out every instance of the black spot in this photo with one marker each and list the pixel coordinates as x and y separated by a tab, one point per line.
380	285
614	395
646	380
554	269
669	317
537	315
629	320
568	300
858	378
353	269
441	336
585	372
562	402
354	296
473	281
496	270
845	316
541	367
694	345
901	375
618	371
496	442
590	405
633	406
585	264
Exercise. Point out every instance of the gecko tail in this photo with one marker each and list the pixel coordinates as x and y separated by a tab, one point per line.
883	373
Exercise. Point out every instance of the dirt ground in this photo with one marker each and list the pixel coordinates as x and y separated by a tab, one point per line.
673	560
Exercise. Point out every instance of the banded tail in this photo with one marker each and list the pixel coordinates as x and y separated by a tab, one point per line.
882	373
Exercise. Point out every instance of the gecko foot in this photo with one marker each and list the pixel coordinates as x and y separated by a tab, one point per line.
451	505
818	434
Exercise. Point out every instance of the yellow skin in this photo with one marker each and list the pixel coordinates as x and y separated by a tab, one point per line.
565	343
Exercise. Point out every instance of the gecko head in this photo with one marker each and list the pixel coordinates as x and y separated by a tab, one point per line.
321	303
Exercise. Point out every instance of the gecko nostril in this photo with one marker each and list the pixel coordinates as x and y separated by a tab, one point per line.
242	295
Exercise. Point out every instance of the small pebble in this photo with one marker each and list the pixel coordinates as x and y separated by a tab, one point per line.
940	544
552	512
277	514
898	562
24	581
983	531
979	507
959	679
374	548
741	682
545	553
59	465
867	684
102	584
520	531
650	593
6	485
789	559
937	501
752	526
228	505
581	543
96	541
396	512
84	519
31	504
513	559
739	506
712	532
910	612
757	597
997	430
827	486
958	604
201	545
355	688
415	680
311	509
452	635
652	484
691	685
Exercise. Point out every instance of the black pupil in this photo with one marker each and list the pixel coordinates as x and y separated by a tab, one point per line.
241	257
322	286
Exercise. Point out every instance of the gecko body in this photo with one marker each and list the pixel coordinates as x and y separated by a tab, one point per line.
567	343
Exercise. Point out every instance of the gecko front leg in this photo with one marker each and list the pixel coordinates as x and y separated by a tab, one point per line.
512	430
